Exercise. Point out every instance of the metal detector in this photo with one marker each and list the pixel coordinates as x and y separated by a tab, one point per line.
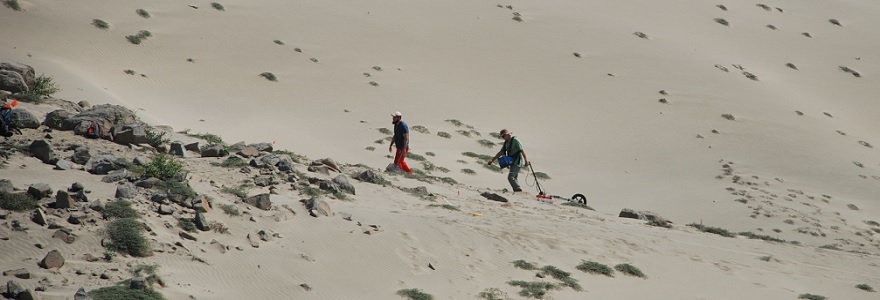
542	196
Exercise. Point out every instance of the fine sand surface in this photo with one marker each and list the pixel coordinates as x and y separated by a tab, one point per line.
572	81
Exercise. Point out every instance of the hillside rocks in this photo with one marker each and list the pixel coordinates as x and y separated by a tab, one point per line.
42	150
25	119
39	190
370	176
105	114
13	82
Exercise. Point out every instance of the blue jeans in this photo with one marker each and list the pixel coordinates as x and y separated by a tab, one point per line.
512	178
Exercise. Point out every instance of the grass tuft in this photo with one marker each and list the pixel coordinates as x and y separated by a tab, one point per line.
578	204
218	6
139	37
118	292
233	162
716	230
163	166
13	4
812	297
446	206
761	237
522	264
230	209
415	294
630	270
865	287
143	13
729	117
187	224
722	21
595	268
444	134
269	76
101	24
420	129
533	289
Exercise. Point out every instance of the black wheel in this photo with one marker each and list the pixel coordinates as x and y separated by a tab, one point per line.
579	198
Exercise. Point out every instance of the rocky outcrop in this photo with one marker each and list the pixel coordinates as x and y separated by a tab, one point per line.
371	177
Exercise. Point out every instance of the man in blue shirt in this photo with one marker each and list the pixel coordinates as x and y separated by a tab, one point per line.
400	140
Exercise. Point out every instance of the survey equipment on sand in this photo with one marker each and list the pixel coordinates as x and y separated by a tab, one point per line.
547	198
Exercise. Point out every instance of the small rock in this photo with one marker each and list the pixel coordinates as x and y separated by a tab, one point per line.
148	183
494	197
53	224
76	187
64	164
40	217
81	295
18	273
177	149
64	200
137	283
126	190
249	152
115	176
74	219
200	222
42	150
253	241
90	258
65	235
29	295
260	201
165	209
39	190
13	289
104	276
186	235
306	287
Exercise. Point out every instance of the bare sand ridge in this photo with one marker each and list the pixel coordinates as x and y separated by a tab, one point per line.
745	116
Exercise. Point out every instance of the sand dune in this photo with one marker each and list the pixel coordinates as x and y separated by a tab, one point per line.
668	120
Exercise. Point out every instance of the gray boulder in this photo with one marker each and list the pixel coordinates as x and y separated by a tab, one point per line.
56	118
329	186
201	222
27	72
215	150
81	155
25	119
344	184
81	295
260	201
264	181
13	289
12	82
237	146
64	164
64	200
194	147
131	134
317	207
101	164
137	283
285	165
166	209
18	273
39	217
371	177
42	150
106	114
126	190
148	183
262	147
494	197
39	190
248	152
65	235
6	185
52	260
177	149
115	175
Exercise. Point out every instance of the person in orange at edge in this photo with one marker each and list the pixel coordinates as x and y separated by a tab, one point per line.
7	127
401	141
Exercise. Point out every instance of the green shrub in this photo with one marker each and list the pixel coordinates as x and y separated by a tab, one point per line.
728	116
444	134
492	294
468	171
210	138
629	270
139	37
127	236
811	297
119	209
542	176
44	86
269	76
415	294
17	201
163	166
143	13
386	131
312	191
522	264
13	4
716	230
464	133
119	292
534	289
481	157
187	224
218	6
101	24
156	137
486	143
595	268
230	209
457	123
865	287
852	206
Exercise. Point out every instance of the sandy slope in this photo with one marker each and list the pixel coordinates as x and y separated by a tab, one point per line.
593	123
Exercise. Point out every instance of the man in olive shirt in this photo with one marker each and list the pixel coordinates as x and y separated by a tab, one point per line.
513	148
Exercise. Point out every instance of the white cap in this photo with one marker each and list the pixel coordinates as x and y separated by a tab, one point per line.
396	114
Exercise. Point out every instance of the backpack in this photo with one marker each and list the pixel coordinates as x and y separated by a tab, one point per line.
95	130
7	126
